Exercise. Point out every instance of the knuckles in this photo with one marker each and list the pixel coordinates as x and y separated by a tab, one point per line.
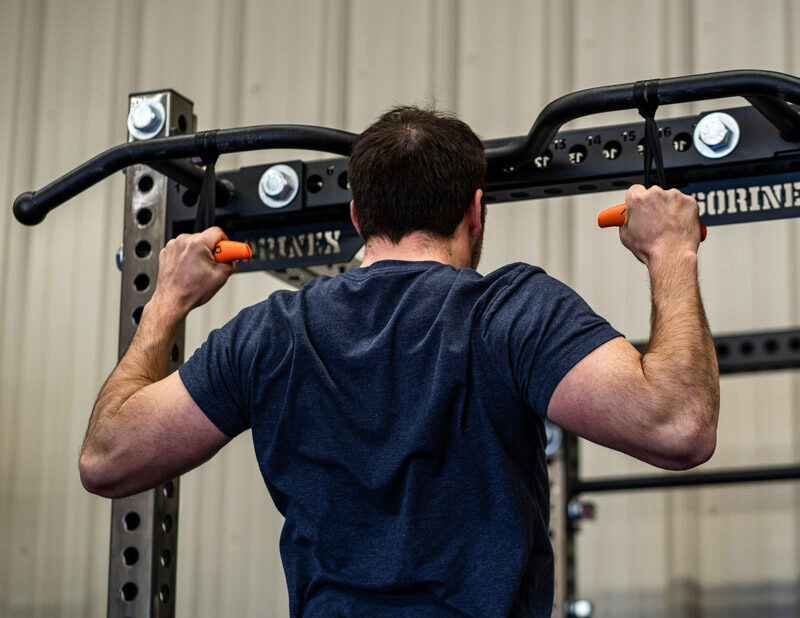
638	196
183	241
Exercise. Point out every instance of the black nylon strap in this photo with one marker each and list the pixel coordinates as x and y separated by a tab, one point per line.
206	203
645	95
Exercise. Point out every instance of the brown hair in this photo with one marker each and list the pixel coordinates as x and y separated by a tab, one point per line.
414	170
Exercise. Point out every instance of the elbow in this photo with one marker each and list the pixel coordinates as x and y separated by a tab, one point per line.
698	449
96	477
688	445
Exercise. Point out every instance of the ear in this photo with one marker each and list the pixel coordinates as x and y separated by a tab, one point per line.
474	224
353	217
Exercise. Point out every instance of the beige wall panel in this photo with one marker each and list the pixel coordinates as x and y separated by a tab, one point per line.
12	48
503	81
792	21
750	281
53	291
390	45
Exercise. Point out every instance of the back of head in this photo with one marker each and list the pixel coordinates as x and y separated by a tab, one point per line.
414	170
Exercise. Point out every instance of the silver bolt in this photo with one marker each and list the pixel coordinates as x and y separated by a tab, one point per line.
580	608
146	118
143	117
118	257
554	437
716	135
274	183
578	510
278	186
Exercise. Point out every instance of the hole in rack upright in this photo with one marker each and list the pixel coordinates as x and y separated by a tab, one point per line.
131	520
130	556
145	183
128	591
143	249
144	216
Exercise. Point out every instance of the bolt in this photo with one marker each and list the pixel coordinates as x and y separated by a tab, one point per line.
146	119
578	510
580	608
278	186
118	257
554	437
143	117
274	182
714	133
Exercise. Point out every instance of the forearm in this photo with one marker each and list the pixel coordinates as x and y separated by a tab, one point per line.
144	362
680	364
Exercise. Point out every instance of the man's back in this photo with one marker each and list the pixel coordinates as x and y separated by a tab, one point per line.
392	411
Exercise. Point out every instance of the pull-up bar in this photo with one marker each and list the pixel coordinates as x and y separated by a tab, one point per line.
32	207
770	90
767	91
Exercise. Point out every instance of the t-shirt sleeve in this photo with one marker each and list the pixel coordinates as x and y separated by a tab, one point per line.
217	375
541	328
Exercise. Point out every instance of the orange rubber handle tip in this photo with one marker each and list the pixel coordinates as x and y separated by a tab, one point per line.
615	217
226	251
612	217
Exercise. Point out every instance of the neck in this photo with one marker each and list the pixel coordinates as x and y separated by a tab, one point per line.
414	247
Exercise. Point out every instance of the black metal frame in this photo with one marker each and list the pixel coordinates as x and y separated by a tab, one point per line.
545	163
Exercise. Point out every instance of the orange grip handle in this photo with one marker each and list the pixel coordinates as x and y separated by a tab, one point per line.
615	217
229	250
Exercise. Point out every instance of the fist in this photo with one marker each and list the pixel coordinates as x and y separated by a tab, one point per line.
659	222
188	274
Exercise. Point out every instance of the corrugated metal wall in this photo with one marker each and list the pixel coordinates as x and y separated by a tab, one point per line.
66	68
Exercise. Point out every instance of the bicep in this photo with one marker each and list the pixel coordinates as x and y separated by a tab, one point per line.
605	398
168	434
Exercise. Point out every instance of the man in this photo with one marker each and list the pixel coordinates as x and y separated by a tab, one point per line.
397	409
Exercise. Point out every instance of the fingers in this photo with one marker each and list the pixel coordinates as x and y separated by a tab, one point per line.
658	222
635	193
668	203
206	240
212	236
188	273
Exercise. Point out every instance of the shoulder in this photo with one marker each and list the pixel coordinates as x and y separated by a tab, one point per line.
525	299
520	284
516	274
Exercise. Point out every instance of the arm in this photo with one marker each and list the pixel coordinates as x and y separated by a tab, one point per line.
145	428
660	407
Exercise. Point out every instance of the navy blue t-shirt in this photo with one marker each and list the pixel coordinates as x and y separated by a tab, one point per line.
397	416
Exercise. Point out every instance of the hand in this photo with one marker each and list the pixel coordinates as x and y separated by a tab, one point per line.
659	222
188	274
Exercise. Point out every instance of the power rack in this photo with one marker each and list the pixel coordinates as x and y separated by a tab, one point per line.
742	165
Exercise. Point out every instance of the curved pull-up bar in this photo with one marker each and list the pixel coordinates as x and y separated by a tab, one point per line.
768	91
32	207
